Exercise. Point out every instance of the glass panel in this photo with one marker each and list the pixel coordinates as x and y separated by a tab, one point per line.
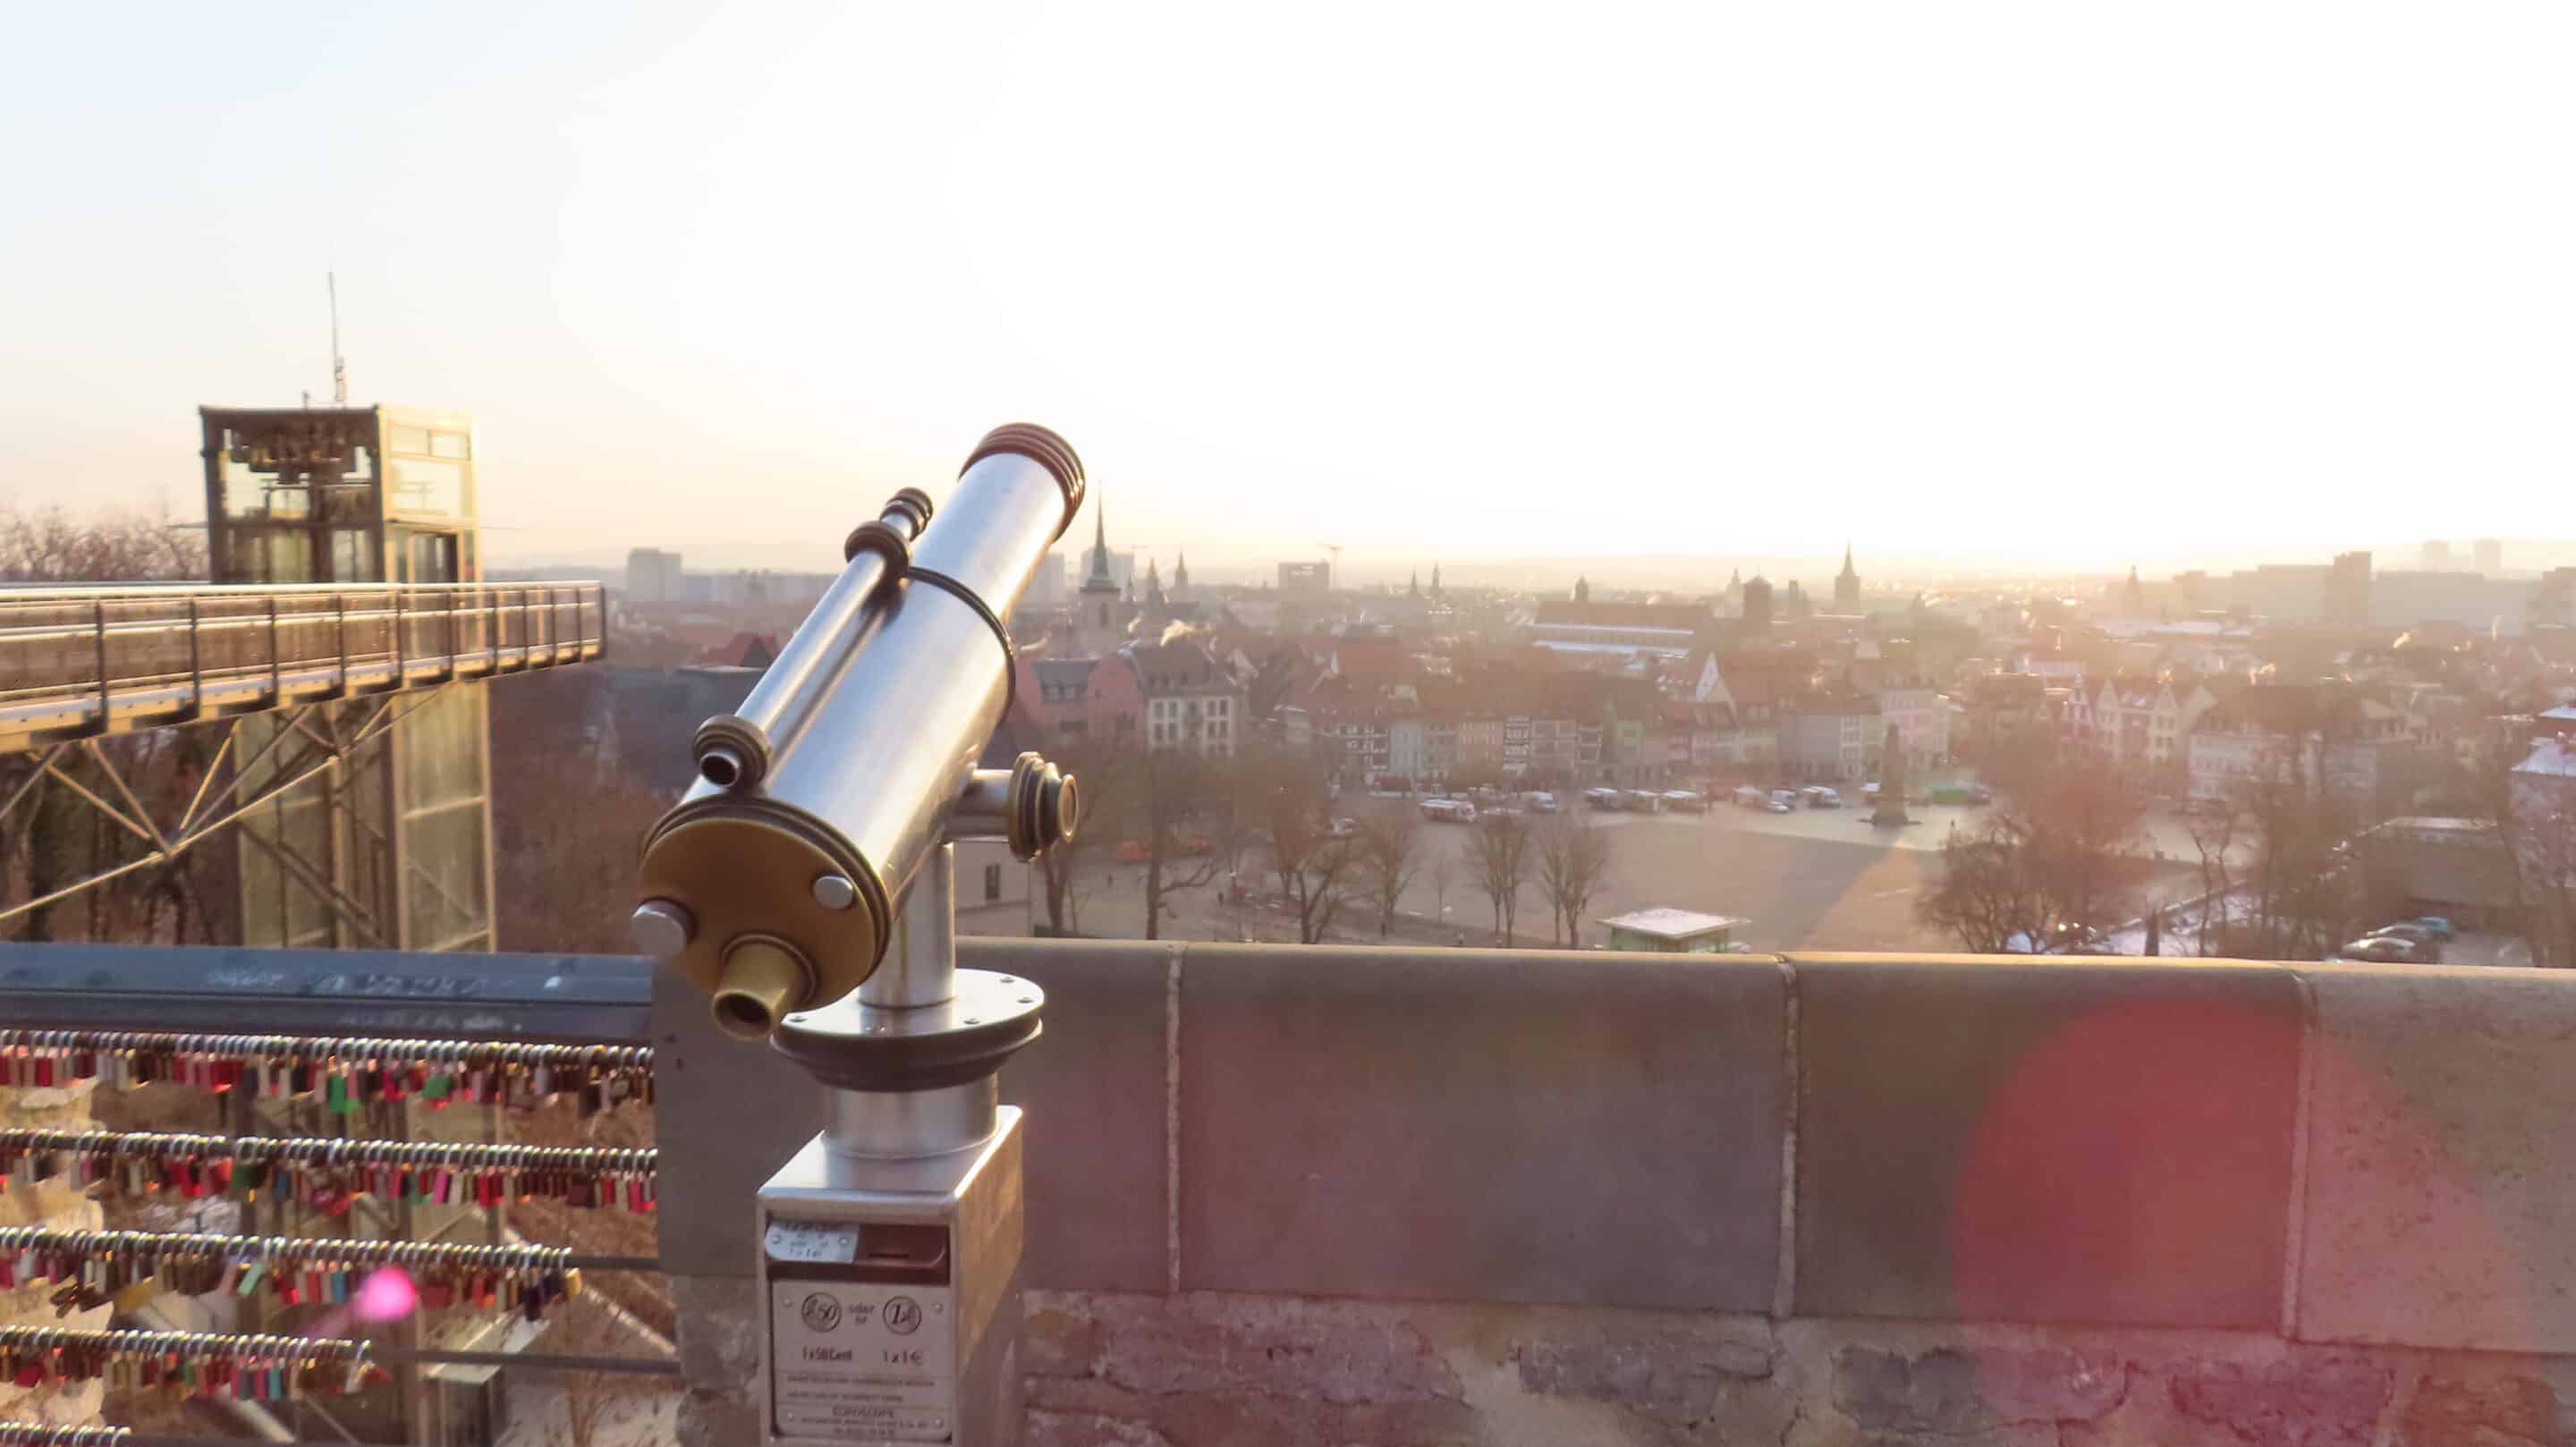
445	876
264	555
434	488
442	749
450	444
414	440
353	556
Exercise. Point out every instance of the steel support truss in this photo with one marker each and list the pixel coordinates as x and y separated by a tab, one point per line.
309	741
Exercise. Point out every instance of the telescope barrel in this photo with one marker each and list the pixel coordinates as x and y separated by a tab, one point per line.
736	748
773	882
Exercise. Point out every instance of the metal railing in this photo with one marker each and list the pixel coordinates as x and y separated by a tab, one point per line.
77	662
352	1015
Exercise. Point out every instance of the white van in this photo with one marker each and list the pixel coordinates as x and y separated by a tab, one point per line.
1683	801
1449	811
1601	798
1820	797
1543	802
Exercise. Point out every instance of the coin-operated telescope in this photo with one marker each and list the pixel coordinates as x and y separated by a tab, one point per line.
807	882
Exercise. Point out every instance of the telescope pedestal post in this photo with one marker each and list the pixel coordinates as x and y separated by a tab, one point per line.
890	1246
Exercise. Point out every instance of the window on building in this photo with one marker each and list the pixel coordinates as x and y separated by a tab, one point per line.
992	882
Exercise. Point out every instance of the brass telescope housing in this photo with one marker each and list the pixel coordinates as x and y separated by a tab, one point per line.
773	882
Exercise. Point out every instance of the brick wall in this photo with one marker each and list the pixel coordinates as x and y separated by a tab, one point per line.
1399	1197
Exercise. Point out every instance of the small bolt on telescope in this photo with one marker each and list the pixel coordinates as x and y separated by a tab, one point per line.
806	881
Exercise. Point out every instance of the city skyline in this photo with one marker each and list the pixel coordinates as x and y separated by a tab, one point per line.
1967	275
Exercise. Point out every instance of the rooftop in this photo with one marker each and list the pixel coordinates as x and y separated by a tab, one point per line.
1673	924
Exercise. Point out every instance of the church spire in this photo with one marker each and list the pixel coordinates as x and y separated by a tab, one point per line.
1097	580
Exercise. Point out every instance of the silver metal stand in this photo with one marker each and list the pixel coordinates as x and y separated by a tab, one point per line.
891	1244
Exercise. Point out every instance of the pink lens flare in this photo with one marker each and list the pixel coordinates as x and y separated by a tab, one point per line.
386	1294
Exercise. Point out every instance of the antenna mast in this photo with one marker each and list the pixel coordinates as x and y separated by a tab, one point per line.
339	368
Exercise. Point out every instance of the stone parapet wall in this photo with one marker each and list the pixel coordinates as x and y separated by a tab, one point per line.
1383	1196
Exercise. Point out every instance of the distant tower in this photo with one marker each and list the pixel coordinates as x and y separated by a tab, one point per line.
1100	617
2137	594
1794	602
1415	590
1582	590
1757	603
1181	578
1153	584
1847	585
1435	580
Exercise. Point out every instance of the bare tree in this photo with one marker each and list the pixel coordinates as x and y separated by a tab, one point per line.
52	546
2535	810
2213	835
1389	852
600	1409
1170	789
2301	894
1099	774
1316	870
1573	857
1498	859
49	838
2059	853
1991	896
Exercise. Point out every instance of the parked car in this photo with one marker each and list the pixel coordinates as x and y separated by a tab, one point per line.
1684	801
2390	950
2078	939
1449	811
2410	932
2441	929
1820	797
1779	806
1543	802
1749	797
1601	798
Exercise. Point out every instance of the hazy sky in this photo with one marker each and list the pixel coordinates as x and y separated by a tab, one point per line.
1425	281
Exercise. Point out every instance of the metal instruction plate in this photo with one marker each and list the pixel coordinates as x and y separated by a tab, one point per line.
849	1359
835	1242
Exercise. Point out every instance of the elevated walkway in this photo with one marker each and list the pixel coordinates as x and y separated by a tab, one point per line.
81	662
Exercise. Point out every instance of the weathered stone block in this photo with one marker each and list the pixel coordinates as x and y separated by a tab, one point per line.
1450	1125
1954	1394
1089	1429
1335	1352
1674	1380
2441	1190
1236	1418
2061	1141
1057	1342
2512	1411
2308	1403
